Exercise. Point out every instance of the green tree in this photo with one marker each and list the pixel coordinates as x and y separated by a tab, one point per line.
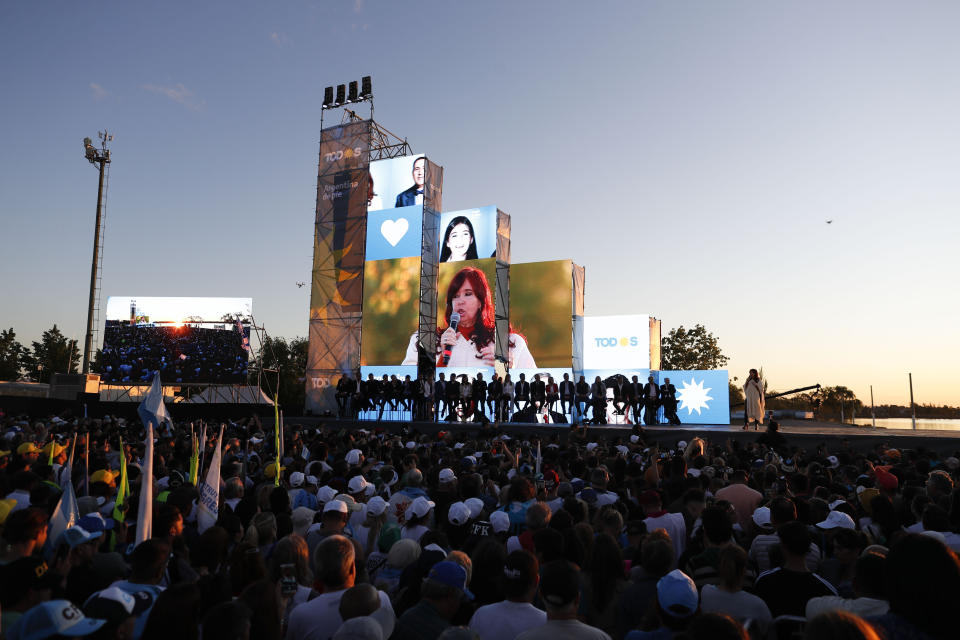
54	354
288	362
13	356
694	348
839	402
736	393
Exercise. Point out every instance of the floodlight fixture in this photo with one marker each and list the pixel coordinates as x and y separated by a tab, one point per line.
366	89
352	95
328	97
341	94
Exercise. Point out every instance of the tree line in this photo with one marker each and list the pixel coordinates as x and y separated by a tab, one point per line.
53	353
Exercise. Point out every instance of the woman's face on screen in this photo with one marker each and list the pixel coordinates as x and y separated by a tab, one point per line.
459	241
467	304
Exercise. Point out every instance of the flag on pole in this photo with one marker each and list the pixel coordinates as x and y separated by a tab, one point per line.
537	471
123	492
145	510
66	472
210	491
152	410
194	456
281	434
203	448
276	431
65	515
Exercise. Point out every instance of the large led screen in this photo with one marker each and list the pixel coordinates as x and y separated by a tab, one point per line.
467	288
391	297
541	299
616	342
183	339
396	182
469	234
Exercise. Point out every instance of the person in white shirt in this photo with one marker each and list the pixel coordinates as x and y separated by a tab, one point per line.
335	569
657	518
507	619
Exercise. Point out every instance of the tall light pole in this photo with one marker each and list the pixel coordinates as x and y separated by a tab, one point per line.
100	158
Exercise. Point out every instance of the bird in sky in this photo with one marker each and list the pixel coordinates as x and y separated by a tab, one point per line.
829	221
301	284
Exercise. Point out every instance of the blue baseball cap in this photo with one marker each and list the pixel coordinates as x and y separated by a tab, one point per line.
77	535
53	618
677	594
95	522
452	575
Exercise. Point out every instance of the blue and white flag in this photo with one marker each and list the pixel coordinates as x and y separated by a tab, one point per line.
208	504
145	508
244	340
152	410
65	515
702	396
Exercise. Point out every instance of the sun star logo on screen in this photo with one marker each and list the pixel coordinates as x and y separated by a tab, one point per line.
693	396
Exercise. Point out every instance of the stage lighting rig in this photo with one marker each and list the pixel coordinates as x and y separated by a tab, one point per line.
350	93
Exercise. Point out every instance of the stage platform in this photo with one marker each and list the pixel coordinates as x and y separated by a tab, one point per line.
803	433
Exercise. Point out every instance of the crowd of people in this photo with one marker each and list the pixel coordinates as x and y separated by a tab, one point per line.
462	398
136	353
367	534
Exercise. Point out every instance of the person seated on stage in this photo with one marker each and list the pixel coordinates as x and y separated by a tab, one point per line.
396	392
598	401
383	395
408	392
538	391
553	393
620	395
521	393
582	397
567	392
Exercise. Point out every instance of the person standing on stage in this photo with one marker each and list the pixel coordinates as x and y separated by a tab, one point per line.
503	414
754	399
651	401
567	391
479	392
668	397
494	391
635	398
425	398
439	396
453	394
414	195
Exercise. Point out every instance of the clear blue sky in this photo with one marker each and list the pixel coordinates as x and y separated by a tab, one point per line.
688	154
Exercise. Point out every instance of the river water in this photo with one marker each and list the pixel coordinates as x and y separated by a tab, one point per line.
905	423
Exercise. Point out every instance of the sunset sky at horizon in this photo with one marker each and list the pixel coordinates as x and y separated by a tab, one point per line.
687	154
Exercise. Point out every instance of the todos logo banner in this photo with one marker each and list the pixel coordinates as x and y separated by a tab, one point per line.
616	342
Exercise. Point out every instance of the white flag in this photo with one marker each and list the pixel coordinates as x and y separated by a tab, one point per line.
207	505
145	510
65	515
305	453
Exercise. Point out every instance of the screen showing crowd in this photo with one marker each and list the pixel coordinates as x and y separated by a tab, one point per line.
184	340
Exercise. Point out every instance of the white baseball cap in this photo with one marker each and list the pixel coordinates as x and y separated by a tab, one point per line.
500	521
336	505
475	505
326	493
837	519
297	478
458	514
357	484
420	507
447	475
761	516
591	446
376	506
353	456
834	462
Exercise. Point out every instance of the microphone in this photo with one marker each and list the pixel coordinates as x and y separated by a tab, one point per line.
454	322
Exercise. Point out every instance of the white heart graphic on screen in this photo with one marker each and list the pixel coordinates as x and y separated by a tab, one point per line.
394	230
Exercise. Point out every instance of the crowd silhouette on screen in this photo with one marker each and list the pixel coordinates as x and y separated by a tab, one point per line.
135	353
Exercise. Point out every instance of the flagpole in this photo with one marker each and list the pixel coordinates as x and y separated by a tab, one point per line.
86	465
